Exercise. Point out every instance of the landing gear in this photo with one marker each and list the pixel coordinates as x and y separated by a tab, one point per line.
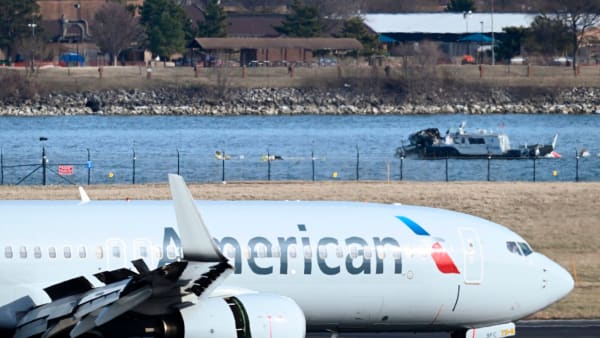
458	334
334	334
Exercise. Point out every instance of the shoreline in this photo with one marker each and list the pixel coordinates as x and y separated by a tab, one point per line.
211	100
288	101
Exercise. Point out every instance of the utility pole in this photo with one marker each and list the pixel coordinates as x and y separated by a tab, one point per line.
78	8
32	25
493	41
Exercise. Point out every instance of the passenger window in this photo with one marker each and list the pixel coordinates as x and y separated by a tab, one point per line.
292	251
380	252
353	252
276	252
307	252
99	252
8	252
339	252
157	252
52	252
260	250
513	248
526	249
322	252
23	252
116	252
67	252
367	252
143	252
37	252
82	252
171	251
397	253
230	251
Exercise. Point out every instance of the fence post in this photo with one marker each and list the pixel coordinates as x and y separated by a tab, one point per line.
178	160
89	166
223	166
576	166
446	168
312	157
268	166
44	163
489	159
133	167
401	167
357	163
534	160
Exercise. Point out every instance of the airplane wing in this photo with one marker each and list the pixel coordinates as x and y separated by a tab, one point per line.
78	308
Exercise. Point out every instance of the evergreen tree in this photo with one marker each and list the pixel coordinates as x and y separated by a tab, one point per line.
510	44
165	24
460	6
215	21
303	22
548	36
16	16
355	28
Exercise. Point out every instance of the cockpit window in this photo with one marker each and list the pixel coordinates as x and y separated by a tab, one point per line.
525	248
513	248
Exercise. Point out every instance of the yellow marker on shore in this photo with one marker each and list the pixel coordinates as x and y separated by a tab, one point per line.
335	174
111	175
555	173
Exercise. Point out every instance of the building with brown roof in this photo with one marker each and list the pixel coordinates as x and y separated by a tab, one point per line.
269	50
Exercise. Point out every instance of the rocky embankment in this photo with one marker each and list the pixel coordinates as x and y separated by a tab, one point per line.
287	101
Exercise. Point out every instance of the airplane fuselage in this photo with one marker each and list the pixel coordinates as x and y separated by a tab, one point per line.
349	266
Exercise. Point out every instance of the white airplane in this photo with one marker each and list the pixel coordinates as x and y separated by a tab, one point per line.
272	269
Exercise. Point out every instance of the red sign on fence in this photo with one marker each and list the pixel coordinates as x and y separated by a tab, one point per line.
65	170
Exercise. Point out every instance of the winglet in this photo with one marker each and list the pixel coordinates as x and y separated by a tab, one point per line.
196	241
83	195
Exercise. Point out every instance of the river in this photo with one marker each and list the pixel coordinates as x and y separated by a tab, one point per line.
343	146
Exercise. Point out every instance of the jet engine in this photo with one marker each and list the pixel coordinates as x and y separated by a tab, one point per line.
249	315
245	316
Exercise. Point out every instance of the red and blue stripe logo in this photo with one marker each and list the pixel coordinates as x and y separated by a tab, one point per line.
440	256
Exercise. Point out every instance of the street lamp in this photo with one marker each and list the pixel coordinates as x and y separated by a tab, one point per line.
493	42
77	6
32	25
466	16
481	44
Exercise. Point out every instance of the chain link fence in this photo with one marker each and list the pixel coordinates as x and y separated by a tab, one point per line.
138	167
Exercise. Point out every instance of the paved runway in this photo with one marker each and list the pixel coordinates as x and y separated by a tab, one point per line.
525	329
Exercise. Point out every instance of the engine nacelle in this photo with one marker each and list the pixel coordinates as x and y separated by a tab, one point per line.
245	316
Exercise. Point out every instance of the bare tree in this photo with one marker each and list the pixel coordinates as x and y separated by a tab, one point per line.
115	29
578	16
337	9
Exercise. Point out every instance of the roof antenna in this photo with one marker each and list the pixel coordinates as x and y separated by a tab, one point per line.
83	195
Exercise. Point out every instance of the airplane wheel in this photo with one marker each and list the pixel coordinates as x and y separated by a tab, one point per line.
458	334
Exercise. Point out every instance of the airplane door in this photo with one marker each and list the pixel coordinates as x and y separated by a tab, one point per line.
473	256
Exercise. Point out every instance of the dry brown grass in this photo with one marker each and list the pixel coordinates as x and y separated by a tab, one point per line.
560	220
86	78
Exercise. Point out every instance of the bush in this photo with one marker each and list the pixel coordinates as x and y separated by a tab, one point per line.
18	89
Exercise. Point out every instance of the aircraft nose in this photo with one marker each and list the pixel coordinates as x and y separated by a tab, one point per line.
557	280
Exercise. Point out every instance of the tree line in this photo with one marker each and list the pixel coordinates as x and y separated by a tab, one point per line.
163	27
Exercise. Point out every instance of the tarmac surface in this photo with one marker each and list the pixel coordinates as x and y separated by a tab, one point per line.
525	329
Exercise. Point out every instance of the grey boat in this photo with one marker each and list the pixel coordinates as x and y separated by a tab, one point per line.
430	144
